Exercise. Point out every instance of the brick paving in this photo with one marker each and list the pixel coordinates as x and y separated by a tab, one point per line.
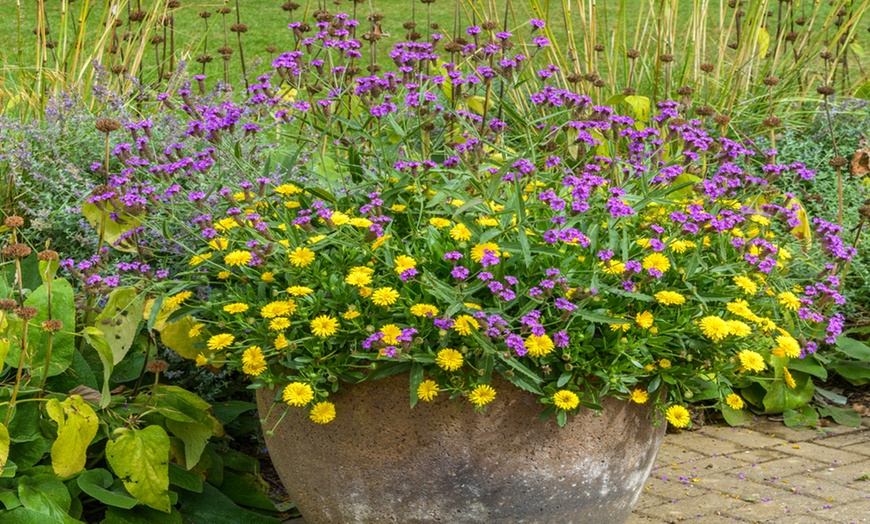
766	473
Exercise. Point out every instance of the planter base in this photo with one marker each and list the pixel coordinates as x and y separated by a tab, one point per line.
380	461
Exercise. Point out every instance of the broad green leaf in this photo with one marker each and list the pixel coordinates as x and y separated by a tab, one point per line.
63	342
27	454
640	106
4	446
230	410
856	373
853	348
29	516
97	340
214	507
780	397
843	416
112	229
178	476
416	380
4	350
142	515
48	269
140	458
809	364
119	321
243	490
98	484
45	494
195	437
77	426
804	416
736	417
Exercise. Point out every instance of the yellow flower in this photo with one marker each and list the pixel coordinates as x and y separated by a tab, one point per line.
734	401
789	300
201	360
471	305
281	342
566	399
486	221
301	257
225	224
237	258
219	243
223	275
199	259
482	395
739	329
639	396
789	380
404	263
279	308
751	361
279	324
644	320
678	416
664	363
477	250
173	302
656	261
350	314
424	310
680	246
465	324
237	307
287	190
612	267
460	233
360	222
427	390
398	208
324	326
322	413
365	292
380	241
359	276
746	284
740	308
339	219
538	346
439	223
391	332
670	298
714	328
385	296
617	327
449	359
787	346
253	361
220	341
297	394
196	330
299	291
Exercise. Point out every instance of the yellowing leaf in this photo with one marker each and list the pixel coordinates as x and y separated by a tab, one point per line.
803	231
640	106
763	42
113	229
174	335
122	313
77	425
140	458
475	103
4	446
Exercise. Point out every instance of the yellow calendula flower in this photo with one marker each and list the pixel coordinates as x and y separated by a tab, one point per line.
281	342
670	298
715	328
424	310
301	257
664	363
299	291
482	395
566	399
789	300
361	223
201	360
617	327
639	396
678	416
734	401
787	346
391	333
656	261
287	190
297	394
223	275
237	307
195	331
219	243
612	267
237	258
486	221
439	223
279	308
645	319
253	361
359	276
174	302
477	250
751	361
460	233
365	292
380	241
746	284
199	259
279	324
350	314
465	325
680	246
322	413
339	219
471	305
427	390
324	326
398	208
404	263
789	380
739	329
221	341
385	296
449	359
225	224
268	276
740	308
538	346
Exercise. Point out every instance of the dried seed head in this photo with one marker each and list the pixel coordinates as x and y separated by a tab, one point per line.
489	25
826	55
842	12
107	125
375	17
629	91
705	111
801	21
590	77
118	69
575	78
173	4
598	48
47	255
157	366
290	6
409	25
825	90
156	40
864	211
771	81
666	58
837	161
632	53
791	36
685	91
722	120
205	14
599	83
740	12
204	59
7	304
707	67
14	221
16	251
225	50
771	122
271	49
26	312
223	10
52	326
239	28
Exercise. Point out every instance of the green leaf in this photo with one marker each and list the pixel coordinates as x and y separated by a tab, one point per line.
229	411
4	446
780	397
45	494
142	515
98	484
28	516
214	507
140	458
48	269
856	373
805	416
63	342
853	348
195	437
830	395
416	380
184	479
9	498
119	321
27	454
736	417
174	335
242	490
95	338
810	365
77	426
843	416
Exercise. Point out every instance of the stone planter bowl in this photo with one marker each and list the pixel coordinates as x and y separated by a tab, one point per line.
380	461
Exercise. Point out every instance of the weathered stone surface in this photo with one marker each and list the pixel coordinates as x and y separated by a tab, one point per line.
380	461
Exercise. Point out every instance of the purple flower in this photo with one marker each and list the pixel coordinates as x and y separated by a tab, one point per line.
460	272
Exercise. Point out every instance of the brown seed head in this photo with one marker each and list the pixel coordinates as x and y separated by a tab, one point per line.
204	59
409	25
825	90
52	326
223	10
666	58
801	21
14	221
271	49
156	40
173	4
705	111
47	255
632	53
826	55
239	28
205	14
722	120
375	17
290	6
575	78
770	81
707	67
489	25
157	366
590	77
685	91
629	91
7	304
26	312
772	122
864	211
791	36
225	50
598	48
837	161
599	83
16	251
107	125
